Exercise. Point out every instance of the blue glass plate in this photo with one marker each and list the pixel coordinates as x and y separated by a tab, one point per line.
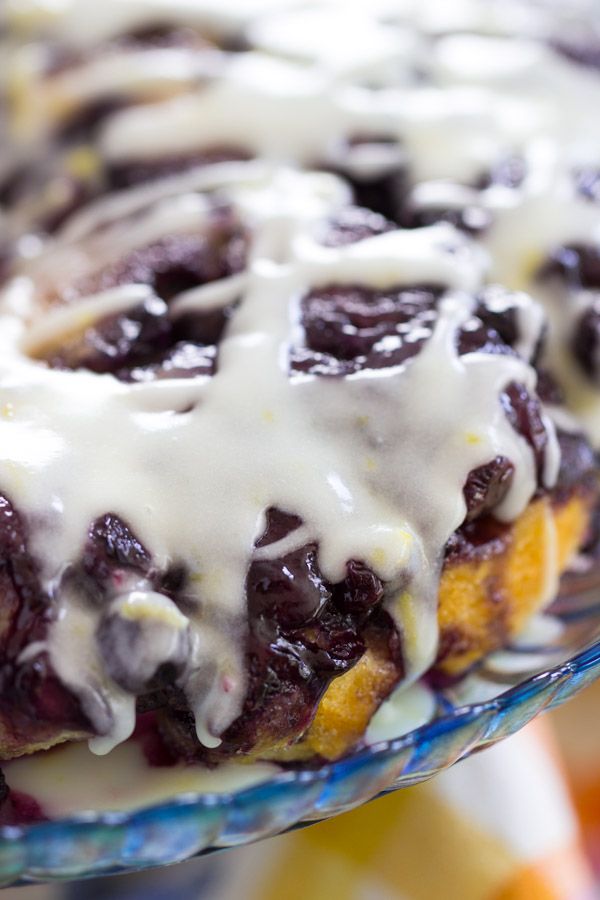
513	687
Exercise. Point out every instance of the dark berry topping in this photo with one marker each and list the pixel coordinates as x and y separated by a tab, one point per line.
63	194
148	341
382	184
127	174
584	51
17	808
360	327
587	183
83	125
145	344
476	336
25	607
524	412
498	309
548	389
586	340
578	465
278	525
15	184
303	631
352	224
119	341
289	590
349	328
148	736
487	486
111	550
183	360
33	703
479	538
472	219
159	35
509	172
40	701
577	264
178	262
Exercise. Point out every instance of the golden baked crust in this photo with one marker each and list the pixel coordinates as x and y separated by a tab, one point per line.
483	603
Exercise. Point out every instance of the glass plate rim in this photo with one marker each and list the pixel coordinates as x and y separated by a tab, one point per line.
442	724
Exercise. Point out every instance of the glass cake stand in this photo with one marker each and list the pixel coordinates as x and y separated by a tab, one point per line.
542	671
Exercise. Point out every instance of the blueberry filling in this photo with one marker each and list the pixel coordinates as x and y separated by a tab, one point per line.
111	551
146	343
352	224
122	175
524	412
487	486
352	328
17	808
587	183
380	186
348	328
32	701
178	262
303	631
83	125
578	267
471	219
586	340
582	51
509	172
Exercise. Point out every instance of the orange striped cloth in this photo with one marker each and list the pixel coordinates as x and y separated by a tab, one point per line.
499	826
577	726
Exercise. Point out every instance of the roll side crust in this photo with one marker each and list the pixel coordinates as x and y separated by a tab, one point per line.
483	604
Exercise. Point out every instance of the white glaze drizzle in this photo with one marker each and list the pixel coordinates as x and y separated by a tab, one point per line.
328	104
295	103
373	463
